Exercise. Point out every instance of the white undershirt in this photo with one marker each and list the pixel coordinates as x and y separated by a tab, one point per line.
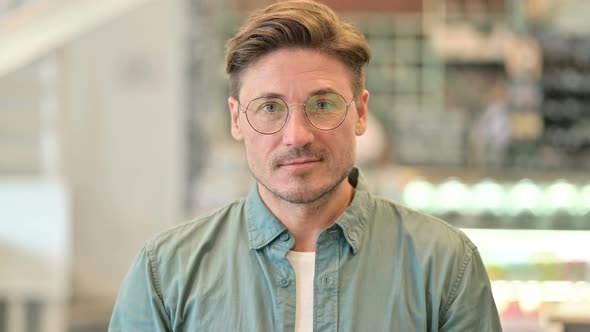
304	265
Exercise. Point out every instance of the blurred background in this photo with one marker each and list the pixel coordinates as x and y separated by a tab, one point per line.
114	126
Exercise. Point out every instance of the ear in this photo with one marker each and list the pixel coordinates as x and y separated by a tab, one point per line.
362	110
236	130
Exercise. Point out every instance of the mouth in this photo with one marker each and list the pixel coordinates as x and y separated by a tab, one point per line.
299	164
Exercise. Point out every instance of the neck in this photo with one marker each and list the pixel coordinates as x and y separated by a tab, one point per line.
306	221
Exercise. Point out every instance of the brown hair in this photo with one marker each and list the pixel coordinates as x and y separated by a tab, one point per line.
296	24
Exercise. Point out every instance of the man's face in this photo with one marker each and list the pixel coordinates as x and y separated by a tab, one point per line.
300	163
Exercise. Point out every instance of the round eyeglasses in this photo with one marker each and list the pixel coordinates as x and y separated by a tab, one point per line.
268	115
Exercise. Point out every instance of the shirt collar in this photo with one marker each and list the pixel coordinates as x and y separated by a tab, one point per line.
263	227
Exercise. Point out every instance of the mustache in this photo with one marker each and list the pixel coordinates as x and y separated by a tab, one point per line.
297	153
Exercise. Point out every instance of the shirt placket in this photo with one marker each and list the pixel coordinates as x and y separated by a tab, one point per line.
326	280
283	279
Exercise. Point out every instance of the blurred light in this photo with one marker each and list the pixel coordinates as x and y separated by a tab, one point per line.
530	299
452	196
531	294
488	195
419	194
560	195
524	196
583	201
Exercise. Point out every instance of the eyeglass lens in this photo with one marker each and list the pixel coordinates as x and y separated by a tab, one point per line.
324	111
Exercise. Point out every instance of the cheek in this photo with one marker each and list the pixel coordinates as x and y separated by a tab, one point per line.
339	144
256	150
349	133
346	143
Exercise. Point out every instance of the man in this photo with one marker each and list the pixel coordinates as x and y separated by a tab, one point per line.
310	249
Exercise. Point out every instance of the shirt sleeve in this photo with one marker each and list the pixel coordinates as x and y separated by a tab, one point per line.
139	306
471	306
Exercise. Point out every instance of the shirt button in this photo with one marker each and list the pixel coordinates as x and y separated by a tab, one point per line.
284	282
284	237
328	281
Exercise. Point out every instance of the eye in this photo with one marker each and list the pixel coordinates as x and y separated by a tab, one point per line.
270	107
322	105
325	103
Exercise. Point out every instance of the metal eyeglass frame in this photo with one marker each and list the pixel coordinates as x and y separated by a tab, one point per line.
289	113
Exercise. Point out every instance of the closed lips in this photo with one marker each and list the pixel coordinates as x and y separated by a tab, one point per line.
299	162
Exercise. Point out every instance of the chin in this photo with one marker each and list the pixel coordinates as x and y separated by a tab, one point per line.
302	193
299	197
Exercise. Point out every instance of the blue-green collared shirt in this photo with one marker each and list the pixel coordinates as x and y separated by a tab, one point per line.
380	267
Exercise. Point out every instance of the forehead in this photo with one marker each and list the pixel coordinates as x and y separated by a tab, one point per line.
295	73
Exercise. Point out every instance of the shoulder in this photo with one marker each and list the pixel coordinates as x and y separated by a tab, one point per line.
188	236
442	255
169	262
425	232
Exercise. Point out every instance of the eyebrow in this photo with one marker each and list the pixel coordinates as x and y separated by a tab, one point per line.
313	93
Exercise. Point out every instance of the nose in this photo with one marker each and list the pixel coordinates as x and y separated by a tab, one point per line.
297	132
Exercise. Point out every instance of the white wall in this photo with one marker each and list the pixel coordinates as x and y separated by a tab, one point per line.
123	142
